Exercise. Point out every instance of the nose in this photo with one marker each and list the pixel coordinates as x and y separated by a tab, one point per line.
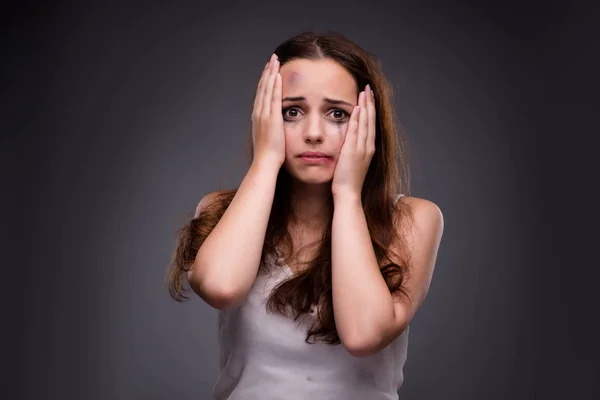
314	131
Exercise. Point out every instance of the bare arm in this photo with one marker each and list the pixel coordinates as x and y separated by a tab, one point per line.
367	316
227	262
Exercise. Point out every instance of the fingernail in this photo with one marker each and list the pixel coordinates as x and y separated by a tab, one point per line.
368	88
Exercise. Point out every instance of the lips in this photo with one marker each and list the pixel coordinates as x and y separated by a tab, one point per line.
313	154
315	158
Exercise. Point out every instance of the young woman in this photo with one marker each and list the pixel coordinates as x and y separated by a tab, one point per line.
318	262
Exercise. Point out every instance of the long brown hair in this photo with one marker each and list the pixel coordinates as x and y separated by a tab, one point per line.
387	176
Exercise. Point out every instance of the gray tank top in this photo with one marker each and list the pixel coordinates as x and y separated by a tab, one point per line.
264	356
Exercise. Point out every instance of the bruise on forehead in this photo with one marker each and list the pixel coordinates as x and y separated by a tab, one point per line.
294	78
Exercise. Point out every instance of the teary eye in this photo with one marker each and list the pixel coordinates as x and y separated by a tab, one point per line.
293	112
290	112
339	116
338	113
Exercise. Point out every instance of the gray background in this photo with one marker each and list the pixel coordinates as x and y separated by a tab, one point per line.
117	119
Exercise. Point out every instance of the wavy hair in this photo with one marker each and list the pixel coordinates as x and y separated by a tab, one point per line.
387	176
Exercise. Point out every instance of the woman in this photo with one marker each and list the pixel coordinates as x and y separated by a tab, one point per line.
315	264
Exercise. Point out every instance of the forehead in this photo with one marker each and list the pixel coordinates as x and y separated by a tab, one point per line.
323	77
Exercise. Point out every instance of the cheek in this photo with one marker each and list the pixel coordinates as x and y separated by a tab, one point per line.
291	132
337	133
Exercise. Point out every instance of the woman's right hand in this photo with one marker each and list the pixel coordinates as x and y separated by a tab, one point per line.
267	121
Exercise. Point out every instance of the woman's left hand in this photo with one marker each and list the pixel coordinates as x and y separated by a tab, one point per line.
358	148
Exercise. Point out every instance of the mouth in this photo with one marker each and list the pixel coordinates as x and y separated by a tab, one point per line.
315	159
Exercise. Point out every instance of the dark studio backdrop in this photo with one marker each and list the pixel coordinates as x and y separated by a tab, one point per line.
117	118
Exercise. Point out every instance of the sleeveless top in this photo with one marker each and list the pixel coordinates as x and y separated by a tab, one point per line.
264	356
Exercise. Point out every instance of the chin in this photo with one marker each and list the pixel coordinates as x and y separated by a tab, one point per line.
314	180
310	177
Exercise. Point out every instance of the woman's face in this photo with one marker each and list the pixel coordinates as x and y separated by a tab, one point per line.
317	99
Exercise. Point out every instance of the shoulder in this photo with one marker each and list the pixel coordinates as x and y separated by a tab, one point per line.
422	207
426	215
206	200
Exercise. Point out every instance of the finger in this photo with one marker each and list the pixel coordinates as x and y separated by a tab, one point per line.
352	132
266	109
370	141
362	122
276	99
258	99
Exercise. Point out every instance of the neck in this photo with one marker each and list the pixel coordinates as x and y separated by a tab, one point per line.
310	204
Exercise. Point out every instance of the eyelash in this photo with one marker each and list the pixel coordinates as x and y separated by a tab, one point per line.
337	121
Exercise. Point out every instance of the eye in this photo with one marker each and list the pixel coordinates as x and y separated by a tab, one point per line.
339	115
293	112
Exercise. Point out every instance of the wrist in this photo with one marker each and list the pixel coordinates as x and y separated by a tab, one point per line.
350	198
266	166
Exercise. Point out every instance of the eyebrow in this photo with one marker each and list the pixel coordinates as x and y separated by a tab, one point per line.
327	100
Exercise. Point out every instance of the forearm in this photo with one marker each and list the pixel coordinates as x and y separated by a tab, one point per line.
227	262
362	302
